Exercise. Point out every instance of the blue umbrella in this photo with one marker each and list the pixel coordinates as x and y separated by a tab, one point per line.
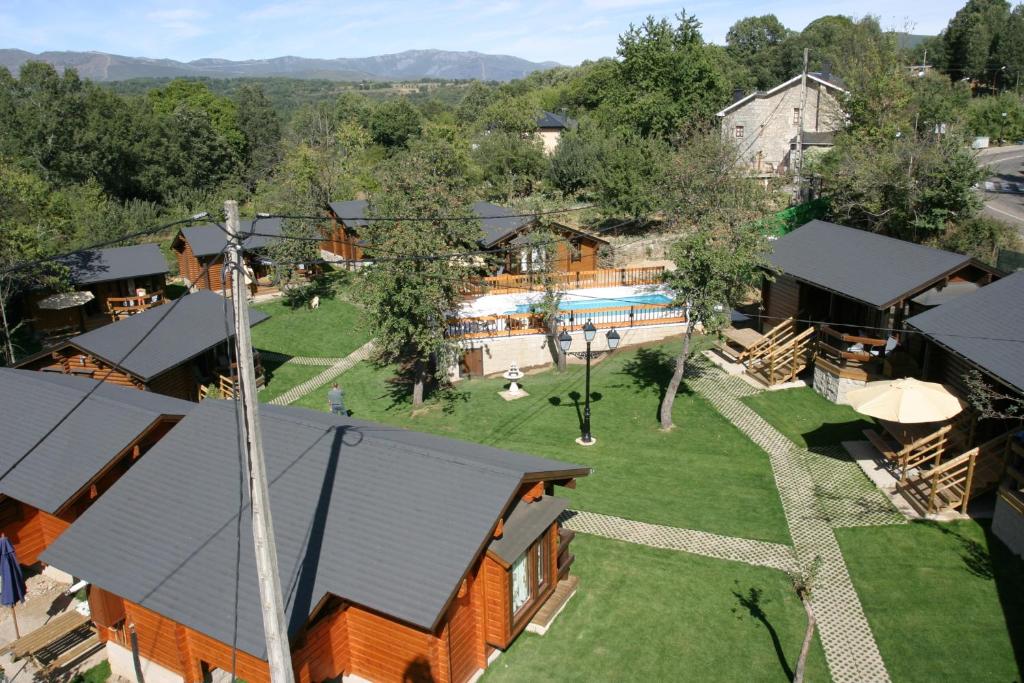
12	583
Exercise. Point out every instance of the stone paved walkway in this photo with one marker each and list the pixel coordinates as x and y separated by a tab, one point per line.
299	360
746	550
846	637
337	367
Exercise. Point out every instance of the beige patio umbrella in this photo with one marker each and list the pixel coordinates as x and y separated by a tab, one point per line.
906	400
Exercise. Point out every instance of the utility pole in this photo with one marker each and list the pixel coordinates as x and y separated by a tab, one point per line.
800	130
271	599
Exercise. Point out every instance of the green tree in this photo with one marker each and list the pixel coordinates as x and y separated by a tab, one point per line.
722	253
511	163
985	117
261	129
972	36
394	122
194	96
576	160
627	180
755	42
408	292
472	105
1009	49
287	254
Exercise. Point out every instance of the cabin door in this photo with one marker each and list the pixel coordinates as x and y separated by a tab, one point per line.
472	363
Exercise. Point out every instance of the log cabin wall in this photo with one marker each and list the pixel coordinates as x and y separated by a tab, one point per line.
71	361
322	653
781	300
340	241
188	264
466	647
30	530
497	602
178	382
384	650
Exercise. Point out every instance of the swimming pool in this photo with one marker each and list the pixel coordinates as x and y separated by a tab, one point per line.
571	303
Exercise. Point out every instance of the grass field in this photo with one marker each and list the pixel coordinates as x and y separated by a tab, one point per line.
332	331
705	474
808	419
642	614
945	600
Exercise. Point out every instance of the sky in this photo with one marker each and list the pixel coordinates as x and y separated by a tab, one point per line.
567	32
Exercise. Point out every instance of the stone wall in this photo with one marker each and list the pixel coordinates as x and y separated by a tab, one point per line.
531	350
768	124
833	387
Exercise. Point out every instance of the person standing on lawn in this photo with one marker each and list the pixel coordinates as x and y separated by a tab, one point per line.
336	400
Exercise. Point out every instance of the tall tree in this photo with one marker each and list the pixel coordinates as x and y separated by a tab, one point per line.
972	36
511	163
261	129
394	122
722	254
412	289
755	43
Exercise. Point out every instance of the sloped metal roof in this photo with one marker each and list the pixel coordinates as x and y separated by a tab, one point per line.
209	240
861	265
33	403
524	523
351	213
379	516
193	325
104	265
986	327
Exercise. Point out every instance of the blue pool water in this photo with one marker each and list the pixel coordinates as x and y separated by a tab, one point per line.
586	304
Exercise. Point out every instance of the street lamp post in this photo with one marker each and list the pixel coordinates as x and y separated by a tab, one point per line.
565	341
1002	128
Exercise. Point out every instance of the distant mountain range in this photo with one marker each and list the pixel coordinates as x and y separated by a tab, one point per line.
408	65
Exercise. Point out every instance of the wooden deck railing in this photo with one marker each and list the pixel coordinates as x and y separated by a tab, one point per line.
120	307
582	279
840	349
513	324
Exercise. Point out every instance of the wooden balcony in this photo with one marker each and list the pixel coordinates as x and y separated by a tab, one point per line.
121	307
581	279
847	355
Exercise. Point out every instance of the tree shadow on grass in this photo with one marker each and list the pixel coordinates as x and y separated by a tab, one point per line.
751	602
834	433
975	556
652	368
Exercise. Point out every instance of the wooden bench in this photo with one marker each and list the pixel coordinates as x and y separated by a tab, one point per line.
48	637
736	343
83	649
887	449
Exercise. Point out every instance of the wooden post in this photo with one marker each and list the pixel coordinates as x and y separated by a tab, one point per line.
969	482
271	599
800	130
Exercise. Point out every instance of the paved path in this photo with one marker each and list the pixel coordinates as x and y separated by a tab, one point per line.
760	553
336	368
850	648
299	360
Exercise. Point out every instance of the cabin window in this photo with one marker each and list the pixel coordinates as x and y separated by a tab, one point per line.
739	131
529	575
796	114
575	252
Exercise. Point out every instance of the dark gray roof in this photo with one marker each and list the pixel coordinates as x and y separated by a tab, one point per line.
351	213
861	265
986	328
32	403
823	138
552	120
207	240
524	523
382	517
187	328
104	265
498	222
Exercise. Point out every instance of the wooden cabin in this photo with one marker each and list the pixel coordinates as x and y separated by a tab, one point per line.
121	281
858	288
505	232
68	470
200	252
404	556
188	348
981	331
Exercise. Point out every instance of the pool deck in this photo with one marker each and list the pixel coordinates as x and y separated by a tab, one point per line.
500	304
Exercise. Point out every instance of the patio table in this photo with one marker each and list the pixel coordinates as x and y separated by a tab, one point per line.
907	434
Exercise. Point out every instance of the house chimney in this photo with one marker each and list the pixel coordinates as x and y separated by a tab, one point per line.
737	95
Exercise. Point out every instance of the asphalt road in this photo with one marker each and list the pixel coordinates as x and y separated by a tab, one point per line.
1006	164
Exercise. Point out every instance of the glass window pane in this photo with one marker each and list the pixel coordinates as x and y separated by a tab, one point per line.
540	563
520	584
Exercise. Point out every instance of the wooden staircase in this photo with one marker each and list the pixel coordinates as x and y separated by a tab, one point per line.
950	485
782	354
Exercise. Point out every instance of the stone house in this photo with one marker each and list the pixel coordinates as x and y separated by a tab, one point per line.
764	125
550	127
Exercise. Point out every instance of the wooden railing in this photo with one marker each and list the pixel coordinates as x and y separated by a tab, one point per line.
582	279
951	485
514	324
781	355
120	307
839	349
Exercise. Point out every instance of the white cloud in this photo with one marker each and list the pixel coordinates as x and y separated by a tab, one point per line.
181	23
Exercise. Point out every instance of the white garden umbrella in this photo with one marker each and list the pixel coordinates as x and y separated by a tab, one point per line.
906	401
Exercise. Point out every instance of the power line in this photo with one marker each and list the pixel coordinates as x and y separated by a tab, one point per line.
535	214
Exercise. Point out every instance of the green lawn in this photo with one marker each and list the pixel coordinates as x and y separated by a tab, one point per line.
808	419
945	600
97	674
703	475
332	331
642	614
281	378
